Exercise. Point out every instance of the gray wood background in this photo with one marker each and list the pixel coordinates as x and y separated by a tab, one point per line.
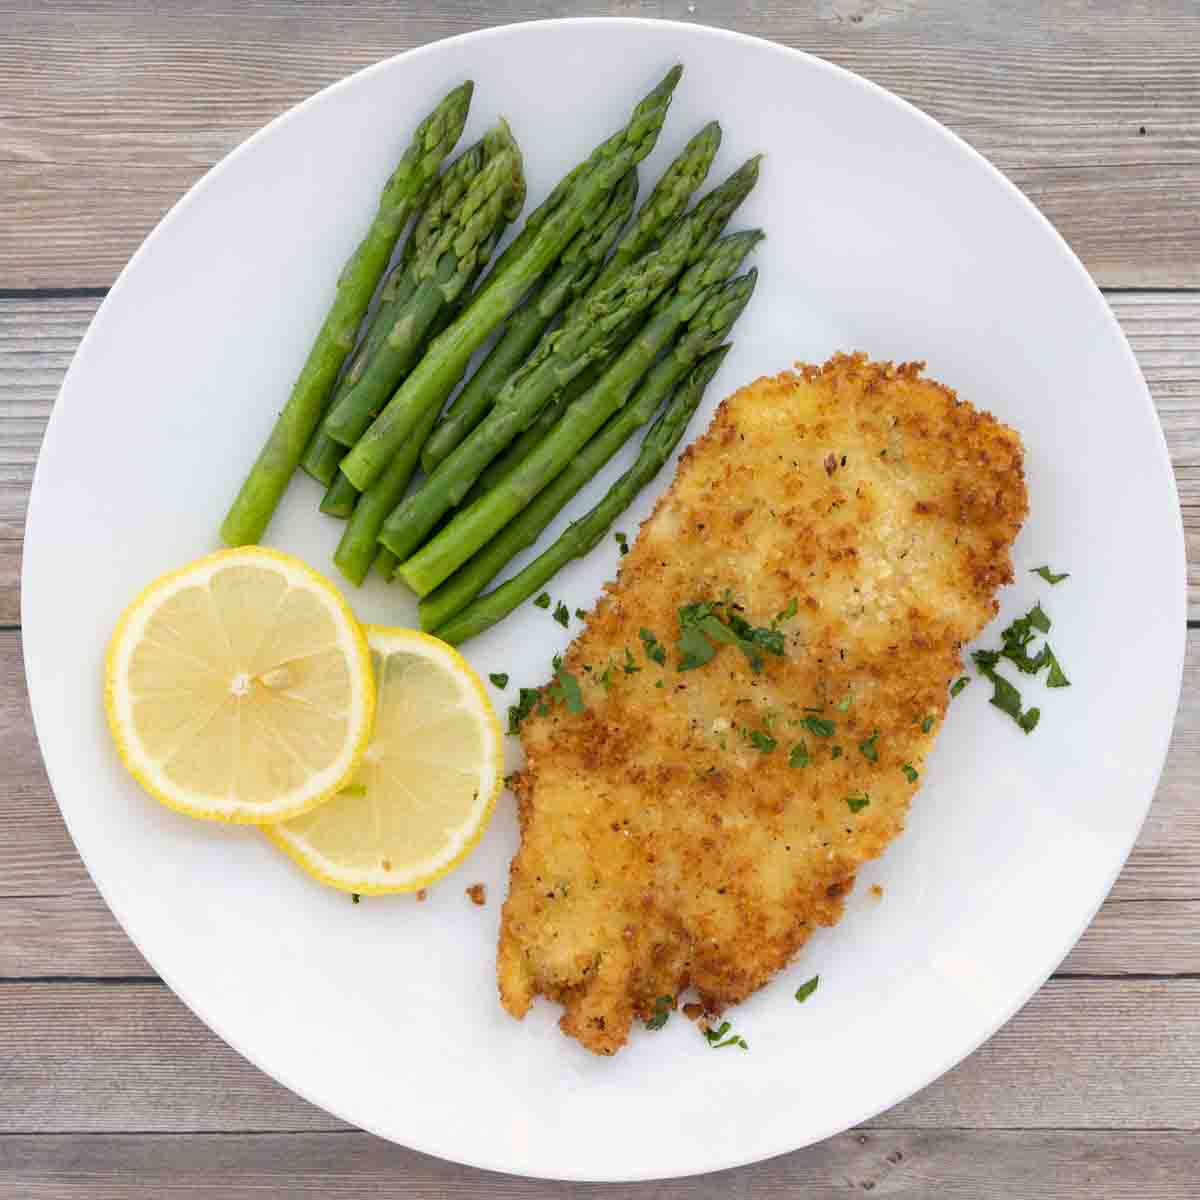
109	109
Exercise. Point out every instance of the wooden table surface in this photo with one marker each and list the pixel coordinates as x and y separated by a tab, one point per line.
109	110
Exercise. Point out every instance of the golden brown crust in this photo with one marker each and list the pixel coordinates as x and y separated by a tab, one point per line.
661	849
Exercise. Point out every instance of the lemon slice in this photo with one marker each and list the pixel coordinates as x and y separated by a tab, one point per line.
426	787
239	688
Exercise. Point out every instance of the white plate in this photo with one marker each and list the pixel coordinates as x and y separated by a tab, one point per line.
886	234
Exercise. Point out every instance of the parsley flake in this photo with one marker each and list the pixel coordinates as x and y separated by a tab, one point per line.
762	741
819	726
1049	576
857	801
718	1041
869	749
806	989
499	680
655	650
631	667
662	1010
622	542
788	613
518	712
799	755
910	773
567	690
581	614
355	897
562	614
835	752
957	686
927	724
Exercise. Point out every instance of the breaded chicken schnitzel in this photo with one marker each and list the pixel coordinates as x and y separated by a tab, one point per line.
760	688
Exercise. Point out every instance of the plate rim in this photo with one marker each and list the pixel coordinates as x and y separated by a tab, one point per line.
943	1063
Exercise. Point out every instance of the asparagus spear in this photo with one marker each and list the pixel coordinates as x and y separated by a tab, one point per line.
442	273
666	202
582	339
582	535
264	486
434	377
342	496
704	305
323	454
579	265
385	563
359	541
669	198
739	183
478	571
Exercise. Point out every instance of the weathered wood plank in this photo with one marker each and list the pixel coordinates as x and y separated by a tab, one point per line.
39	336
113	110
915	1164
1083	1054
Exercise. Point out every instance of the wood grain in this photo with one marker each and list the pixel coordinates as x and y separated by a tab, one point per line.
915	1164
39	336
1083	1054
110	111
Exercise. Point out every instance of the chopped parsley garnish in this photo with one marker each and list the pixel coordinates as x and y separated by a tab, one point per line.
524	706
788	613
655	650
355	897
631	667
835	752
819	726
499	680
806	989
910	772
567	690
870	750
622	542
658	683
927	724
604	679
562	614
581	614
799	755
1049	576
543	601
1015	647
761	741
957	686
662	1010
718	1041
857	801
702	629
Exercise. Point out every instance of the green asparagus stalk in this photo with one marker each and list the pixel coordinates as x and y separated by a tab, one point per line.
557	360
580	536
434	377
385	564
478	571
579	265
443	273
740	182
358	543
340	497
323	454
264	486
704	304
668	200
